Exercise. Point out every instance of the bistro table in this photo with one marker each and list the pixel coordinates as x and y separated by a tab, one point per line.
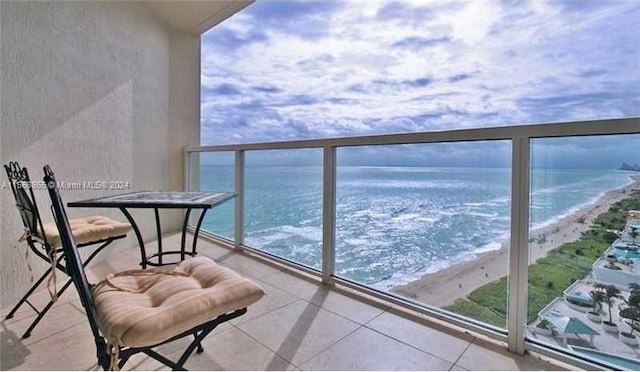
188	200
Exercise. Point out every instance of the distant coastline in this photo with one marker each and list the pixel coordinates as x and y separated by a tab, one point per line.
444	287
628	167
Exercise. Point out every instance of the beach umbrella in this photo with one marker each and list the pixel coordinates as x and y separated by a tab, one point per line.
571	325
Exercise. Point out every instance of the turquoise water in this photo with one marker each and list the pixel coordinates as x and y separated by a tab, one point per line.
627	254
626	363
394	224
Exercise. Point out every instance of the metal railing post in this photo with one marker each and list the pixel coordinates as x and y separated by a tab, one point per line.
518	247
238	224
328	213
187	169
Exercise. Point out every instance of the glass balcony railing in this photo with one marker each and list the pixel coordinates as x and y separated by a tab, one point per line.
283	204
514	232
215	172
426	232
581	260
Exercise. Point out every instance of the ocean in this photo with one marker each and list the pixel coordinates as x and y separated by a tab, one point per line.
394	224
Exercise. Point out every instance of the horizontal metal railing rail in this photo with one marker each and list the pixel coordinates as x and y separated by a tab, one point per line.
520	137
570	129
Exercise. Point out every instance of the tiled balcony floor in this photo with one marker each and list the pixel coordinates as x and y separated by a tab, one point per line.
299	324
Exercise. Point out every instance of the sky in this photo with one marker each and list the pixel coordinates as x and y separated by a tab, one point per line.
283	70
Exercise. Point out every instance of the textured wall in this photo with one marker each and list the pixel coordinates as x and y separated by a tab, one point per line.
100	91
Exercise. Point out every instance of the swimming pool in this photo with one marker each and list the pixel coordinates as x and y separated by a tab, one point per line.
623	253
624	363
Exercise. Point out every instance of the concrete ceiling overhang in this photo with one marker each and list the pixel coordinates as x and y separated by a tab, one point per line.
196	17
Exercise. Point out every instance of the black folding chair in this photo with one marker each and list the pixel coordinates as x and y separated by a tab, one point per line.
135	311
43	245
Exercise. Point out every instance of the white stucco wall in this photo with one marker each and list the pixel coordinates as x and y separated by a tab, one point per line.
100	91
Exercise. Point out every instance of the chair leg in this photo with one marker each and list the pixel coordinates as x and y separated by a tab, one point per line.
179	365
164	360
28	294
42	313
199	349
196	342
199	334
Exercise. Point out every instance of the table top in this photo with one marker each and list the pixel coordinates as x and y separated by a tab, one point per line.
157	199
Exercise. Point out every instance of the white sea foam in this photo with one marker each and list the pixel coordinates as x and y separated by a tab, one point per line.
571	211
402	278
403	184
306	222
576	208
493	246
475	204
269	236
428	220
481	214
406	217
356	241
392	237
395	280
409	221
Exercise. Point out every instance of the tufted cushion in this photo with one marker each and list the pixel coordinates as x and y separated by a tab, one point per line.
86	230
171	305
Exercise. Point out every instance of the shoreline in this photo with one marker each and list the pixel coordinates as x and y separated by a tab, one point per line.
442	288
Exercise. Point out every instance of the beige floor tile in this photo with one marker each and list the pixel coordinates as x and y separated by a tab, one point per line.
483	355
41	298
56	320
78	305
23	312
128	260
246	265
71	349
292	284
447	346
457	368
368	350
141	362
212	250
273	299
298	331
172	350
203	247
346	306
178	346
12	350
229	350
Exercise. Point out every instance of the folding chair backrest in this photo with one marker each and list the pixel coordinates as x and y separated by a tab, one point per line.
74	265
25	199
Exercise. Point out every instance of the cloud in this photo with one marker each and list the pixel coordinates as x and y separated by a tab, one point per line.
222	89
417	43
267	89
458	77
305	19
291	70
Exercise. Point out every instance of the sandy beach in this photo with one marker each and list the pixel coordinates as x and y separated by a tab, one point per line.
444	287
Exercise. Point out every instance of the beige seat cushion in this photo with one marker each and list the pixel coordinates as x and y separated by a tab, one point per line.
87	229
173	304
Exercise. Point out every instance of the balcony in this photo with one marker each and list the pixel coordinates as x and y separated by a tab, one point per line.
326	310
300	324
